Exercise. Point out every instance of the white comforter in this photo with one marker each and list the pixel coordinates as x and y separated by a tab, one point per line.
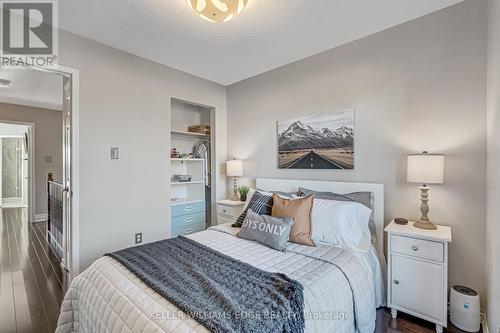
108	298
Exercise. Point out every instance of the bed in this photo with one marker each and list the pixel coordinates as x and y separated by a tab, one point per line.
342	288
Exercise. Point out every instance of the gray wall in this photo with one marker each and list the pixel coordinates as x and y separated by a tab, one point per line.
125	102
418	86
493	227
10	168
48	142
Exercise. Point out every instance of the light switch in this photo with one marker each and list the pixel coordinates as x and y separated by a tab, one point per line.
115	153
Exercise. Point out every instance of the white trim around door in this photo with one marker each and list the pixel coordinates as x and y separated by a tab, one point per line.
74	260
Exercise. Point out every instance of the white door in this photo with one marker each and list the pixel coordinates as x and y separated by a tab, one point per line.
66	173
417	286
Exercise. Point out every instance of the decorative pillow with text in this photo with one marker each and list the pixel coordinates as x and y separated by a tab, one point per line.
267	230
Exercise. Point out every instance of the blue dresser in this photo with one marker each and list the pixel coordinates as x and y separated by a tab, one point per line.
187	218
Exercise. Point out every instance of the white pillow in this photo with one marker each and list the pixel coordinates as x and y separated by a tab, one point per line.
342	223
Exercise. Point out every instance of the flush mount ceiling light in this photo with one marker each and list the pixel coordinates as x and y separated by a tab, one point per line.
217	10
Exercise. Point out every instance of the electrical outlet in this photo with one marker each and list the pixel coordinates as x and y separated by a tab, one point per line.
138	238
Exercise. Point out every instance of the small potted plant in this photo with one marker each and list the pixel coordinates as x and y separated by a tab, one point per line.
243	192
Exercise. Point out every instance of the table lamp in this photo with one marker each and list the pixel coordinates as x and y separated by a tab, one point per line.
234	168
425	169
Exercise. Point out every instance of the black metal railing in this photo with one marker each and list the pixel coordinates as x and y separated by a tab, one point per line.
55	215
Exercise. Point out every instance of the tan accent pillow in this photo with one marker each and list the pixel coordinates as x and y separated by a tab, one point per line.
300	211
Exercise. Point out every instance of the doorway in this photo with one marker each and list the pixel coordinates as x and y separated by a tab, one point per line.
31	181
14	164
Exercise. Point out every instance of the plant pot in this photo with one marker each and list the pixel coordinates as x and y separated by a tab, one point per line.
243	198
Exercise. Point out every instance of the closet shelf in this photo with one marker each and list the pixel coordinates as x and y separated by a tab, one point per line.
189	134
185	201
188	159
191	182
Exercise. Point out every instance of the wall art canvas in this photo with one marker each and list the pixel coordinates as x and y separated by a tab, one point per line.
323	141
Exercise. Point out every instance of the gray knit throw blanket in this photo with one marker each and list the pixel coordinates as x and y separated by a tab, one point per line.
221	293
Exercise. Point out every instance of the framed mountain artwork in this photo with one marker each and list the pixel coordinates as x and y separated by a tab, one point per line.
323	141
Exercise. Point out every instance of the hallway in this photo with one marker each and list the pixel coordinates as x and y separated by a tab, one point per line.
31	280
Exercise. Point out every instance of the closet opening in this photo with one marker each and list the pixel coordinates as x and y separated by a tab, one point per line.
192	165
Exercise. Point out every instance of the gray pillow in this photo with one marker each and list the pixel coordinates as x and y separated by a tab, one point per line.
267	230
282	194
364	198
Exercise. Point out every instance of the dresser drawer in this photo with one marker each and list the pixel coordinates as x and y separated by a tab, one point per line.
187	208
186	220
419	248
187	230
226	211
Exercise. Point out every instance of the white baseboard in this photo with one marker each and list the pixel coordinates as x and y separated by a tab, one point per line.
484	322
40	217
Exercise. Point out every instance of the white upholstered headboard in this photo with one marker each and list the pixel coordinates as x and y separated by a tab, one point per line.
292	185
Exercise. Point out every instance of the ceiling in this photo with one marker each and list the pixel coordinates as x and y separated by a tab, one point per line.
32	88
268	34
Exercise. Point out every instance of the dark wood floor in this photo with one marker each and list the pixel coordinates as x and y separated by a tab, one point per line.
31	282
407	324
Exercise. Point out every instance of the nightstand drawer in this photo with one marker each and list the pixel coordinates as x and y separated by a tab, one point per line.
420	248
225	211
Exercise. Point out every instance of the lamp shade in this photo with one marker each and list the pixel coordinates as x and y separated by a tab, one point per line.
425	168
234	168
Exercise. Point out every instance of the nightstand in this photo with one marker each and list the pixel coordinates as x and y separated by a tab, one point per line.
417	276
228	211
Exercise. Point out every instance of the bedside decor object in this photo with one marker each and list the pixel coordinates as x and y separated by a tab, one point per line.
417	272
425	169
322	141
401	221
243	192
234	168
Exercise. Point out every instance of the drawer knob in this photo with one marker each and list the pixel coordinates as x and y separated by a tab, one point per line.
188	219
396	281
188	231
414	248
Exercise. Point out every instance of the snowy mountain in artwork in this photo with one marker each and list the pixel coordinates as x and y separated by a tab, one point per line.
324	141
300	136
